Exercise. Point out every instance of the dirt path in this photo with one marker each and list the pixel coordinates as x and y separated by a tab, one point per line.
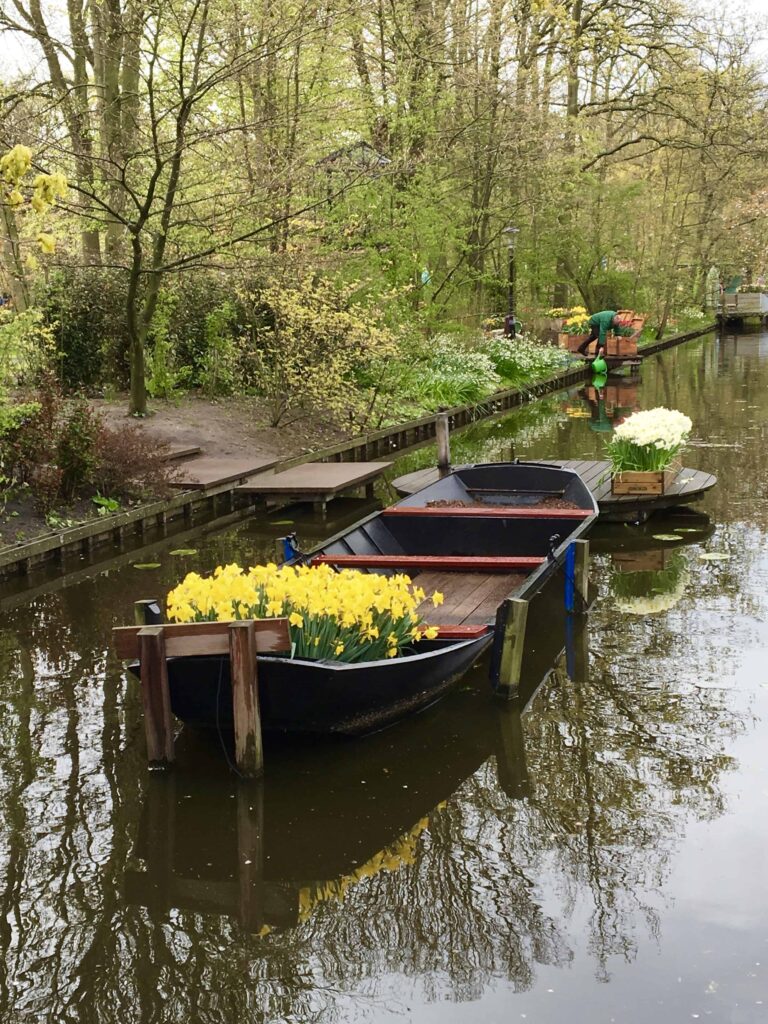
231	426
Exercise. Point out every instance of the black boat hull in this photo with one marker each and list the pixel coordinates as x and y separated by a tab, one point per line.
323	697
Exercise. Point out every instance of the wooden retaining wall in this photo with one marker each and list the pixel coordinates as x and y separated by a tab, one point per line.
221	503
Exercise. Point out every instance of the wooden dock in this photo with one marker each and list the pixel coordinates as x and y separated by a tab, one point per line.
689	485
317	482
212	470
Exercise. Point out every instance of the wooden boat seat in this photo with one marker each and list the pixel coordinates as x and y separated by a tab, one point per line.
504	511
449	563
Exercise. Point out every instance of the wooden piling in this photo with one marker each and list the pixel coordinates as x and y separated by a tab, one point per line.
250	854
155	696
443	436
249	752
511	765
511	620
577	648
147	612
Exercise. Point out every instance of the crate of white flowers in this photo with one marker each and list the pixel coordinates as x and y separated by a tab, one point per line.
644	451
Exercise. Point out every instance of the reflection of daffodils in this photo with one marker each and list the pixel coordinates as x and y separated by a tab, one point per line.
651	592
656	603
398	855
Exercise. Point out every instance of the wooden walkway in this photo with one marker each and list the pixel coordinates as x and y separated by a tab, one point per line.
689	485
317	482
212	470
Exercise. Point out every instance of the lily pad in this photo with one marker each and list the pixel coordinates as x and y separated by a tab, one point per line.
183	551
146	565
281	522
667	536
687	529
714	556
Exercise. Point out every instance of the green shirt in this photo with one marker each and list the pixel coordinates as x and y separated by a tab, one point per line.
604	322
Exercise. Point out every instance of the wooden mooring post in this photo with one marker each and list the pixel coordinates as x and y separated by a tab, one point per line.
576	606
443	438
577	577
511	620
241	641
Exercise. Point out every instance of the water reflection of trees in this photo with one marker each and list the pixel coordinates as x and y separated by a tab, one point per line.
612	771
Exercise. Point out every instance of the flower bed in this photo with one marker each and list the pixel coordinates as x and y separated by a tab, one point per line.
344	616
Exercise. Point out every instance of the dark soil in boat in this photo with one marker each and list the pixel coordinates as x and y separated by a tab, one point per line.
548	502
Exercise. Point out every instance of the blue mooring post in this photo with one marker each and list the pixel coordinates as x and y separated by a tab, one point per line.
287	548
576	605
570	578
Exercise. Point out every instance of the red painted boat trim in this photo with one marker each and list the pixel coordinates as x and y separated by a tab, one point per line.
462	632
448	563
482	513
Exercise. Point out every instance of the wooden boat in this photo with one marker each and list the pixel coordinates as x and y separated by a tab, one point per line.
498	539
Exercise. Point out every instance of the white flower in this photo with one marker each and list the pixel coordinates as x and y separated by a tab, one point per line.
662	428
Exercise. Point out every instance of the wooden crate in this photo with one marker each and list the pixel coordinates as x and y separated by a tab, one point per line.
622	348
650	482
571	341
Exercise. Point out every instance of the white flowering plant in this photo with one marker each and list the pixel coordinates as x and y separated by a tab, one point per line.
648	440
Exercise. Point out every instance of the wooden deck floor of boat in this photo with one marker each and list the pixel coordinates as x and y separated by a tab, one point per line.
471	598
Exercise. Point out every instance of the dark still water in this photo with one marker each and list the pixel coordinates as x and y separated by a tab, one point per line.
601	857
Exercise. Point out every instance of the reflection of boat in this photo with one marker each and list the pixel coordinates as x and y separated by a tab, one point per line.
327	816
496	532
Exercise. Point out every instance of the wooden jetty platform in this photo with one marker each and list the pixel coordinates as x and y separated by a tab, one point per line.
212	470
176	452
689	485
317	482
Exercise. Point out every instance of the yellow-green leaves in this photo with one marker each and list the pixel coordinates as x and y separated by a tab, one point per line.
15	164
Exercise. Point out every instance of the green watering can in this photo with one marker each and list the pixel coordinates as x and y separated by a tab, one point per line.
599	366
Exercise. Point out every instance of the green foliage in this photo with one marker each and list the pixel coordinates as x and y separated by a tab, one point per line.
26	345
164	380
105	506
218	370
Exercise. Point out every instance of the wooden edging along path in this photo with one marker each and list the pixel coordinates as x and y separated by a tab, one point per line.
20	559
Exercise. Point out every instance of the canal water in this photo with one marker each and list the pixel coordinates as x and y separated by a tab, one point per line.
597	855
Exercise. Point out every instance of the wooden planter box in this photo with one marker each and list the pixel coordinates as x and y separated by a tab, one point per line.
621	347
651	482
571	341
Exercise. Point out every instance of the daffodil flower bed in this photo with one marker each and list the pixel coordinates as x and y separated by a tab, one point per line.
648	441
577	322
341	616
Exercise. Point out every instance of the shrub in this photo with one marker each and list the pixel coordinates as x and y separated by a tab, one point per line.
76	448
66	451
87	306
129	464
310	343
218	372
27	345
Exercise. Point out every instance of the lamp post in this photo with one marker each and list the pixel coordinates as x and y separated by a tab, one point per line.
509	326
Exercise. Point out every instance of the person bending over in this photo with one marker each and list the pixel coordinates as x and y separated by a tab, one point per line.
599	325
